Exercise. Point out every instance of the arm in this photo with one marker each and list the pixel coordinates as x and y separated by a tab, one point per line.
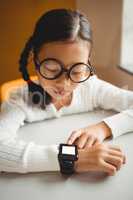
19	156
108	96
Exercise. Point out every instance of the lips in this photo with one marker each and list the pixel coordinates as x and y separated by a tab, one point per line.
61	91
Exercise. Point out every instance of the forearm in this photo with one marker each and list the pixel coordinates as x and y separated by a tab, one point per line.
21	157
119	124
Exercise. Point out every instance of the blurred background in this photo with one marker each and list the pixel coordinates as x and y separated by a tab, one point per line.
17	19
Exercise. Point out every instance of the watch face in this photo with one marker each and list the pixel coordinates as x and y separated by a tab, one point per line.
68	150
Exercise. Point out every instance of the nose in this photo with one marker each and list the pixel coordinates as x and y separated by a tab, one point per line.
64	79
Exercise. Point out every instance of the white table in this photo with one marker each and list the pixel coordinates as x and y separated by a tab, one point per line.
51	185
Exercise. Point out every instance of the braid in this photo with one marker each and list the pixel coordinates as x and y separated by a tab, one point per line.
37	95
24	57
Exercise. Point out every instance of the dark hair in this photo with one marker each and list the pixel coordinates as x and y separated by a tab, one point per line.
54	25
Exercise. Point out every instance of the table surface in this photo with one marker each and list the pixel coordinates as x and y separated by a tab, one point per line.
51	185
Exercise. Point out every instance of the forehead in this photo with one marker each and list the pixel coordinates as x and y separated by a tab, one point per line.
68	52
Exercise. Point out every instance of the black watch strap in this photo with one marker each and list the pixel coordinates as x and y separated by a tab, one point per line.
67	167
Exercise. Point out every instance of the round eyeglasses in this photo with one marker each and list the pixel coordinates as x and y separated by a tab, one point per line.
51	68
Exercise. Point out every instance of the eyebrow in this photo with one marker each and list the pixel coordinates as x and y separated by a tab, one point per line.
69	65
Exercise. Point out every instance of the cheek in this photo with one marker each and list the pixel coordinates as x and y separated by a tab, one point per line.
47	84
69	86
44	83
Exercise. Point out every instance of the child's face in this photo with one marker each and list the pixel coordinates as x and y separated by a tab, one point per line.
69	54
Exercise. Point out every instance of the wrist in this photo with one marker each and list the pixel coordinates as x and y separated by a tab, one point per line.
79	164
76	163
106	130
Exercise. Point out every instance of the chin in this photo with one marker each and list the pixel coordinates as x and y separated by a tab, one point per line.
58	96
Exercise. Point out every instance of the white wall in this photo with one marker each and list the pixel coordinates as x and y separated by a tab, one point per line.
126	61
105	17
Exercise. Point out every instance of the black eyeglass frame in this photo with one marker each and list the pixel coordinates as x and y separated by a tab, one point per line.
63	69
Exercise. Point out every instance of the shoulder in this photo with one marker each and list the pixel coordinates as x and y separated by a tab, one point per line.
94	83
18	100
19	94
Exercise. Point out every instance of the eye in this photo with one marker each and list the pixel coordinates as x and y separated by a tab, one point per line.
50	70
50	66
76	73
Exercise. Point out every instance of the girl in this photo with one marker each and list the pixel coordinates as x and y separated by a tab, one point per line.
60	48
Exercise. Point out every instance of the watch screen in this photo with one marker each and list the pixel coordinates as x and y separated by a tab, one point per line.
68	150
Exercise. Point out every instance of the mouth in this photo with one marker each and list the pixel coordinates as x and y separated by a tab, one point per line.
61	92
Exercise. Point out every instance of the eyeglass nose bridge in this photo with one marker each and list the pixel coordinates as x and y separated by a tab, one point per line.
67	71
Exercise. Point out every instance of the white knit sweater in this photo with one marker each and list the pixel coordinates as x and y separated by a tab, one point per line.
22	157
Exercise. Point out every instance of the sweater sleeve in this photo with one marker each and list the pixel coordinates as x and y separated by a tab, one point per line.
17	155
108	96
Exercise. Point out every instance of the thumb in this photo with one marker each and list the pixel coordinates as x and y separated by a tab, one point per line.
74	136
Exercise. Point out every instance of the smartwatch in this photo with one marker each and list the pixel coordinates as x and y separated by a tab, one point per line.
67	155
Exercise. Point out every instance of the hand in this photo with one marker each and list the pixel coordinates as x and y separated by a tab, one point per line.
90	135
102	157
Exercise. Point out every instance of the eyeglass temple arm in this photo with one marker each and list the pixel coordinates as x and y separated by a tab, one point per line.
36	62
93	69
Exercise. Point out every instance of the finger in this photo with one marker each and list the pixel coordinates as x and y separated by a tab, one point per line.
110	169
89	142
76	141
97	142
114	147
118	149
118	154
74	136
114	160
82	141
